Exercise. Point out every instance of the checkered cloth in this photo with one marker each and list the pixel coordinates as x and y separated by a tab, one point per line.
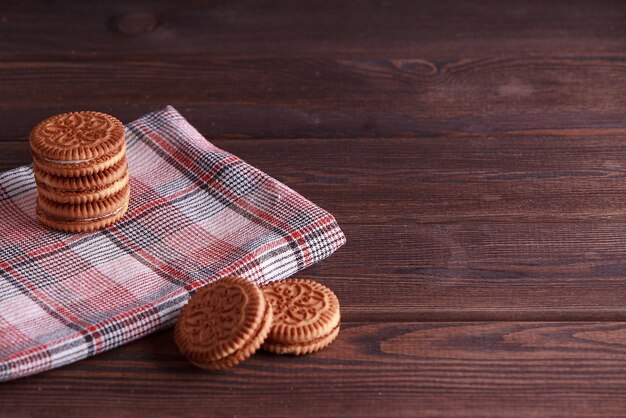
196	214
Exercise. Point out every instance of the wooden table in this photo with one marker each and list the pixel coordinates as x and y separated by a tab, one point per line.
474	153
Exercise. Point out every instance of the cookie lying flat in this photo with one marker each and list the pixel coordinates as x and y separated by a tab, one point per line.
306	316
82	217
77	143
80	225
84	210
85	188
85	167
223	324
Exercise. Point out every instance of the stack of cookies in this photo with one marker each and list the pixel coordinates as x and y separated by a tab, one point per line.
80	171
227	321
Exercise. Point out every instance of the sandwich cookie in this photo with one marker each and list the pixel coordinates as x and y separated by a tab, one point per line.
223	323
82	189
80	171
83	217
84	167
77	143
305	316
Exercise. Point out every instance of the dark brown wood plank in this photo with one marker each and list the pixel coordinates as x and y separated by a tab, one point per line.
433	29
14	154
490	189
447	231
479	271
313	98
452	179
392	369
504	179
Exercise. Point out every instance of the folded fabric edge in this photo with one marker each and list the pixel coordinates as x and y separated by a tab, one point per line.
130	326
308	245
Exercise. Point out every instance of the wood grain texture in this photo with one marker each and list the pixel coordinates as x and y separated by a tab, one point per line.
504	179
399	29
445	230
389	370
323	98
472	152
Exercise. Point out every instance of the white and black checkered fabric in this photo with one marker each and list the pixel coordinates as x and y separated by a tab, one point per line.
196	214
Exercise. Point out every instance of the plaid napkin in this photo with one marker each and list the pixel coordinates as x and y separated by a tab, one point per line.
196	214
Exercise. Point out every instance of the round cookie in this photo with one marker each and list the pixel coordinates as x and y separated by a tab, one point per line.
83	167
88	210
76	136
306	316
80	225
82	189
223	324
107	176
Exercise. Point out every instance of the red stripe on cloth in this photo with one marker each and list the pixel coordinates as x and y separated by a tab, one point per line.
242	203
70	296
39	296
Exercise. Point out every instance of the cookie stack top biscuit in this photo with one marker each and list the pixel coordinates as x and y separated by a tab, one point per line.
80	171
77	143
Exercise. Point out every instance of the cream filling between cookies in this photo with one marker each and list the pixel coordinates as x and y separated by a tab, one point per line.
273	341
65	161
110	155
94	189
97	218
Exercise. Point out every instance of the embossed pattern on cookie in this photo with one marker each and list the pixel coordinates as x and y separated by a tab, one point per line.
81	172
215	316
75	129
223	324
298	303
306	316
76	137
